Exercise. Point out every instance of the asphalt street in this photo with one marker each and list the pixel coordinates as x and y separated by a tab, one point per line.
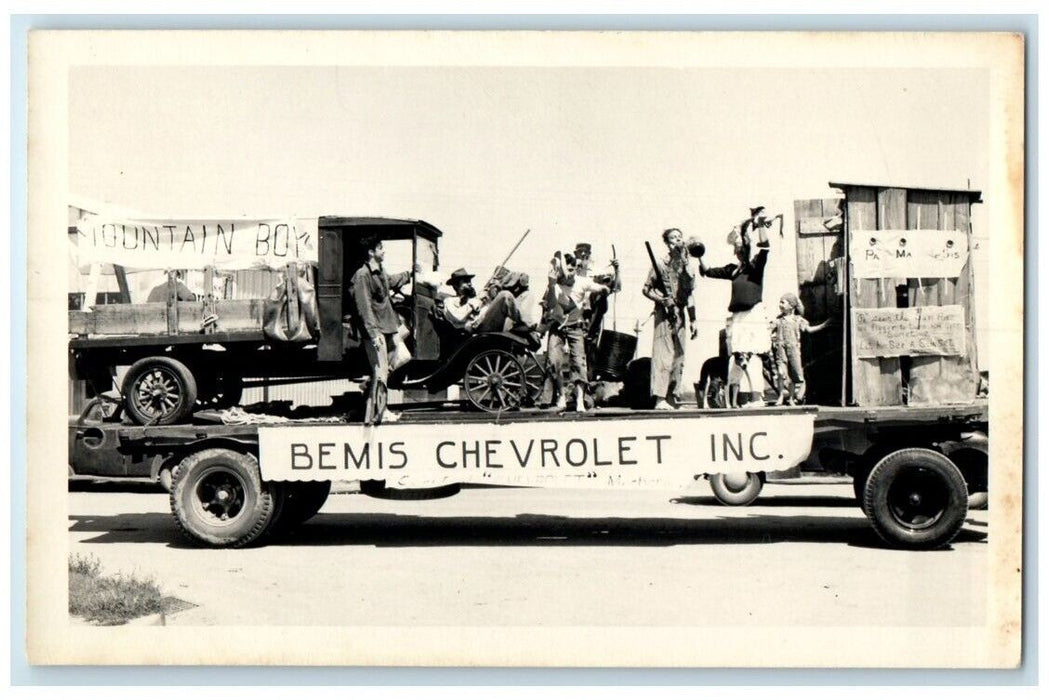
803	554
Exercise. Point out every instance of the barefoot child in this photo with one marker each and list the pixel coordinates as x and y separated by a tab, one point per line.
786	339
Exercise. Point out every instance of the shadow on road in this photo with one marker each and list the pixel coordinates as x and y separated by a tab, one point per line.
118	485
778	501
526	529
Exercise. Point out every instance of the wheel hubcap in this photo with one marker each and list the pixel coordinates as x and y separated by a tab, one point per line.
158	393
918	498
220	496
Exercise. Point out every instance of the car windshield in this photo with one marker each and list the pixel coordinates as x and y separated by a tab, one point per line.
426	254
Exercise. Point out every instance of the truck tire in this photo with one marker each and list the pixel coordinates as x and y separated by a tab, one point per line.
859	487
302	501
916	499
218	498
159	391
736	489
378	489
222	391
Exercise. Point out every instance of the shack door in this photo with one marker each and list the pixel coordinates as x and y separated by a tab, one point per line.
329	295
820	253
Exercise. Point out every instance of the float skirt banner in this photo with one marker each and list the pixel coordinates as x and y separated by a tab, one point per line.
227	244
914	253
922	330
638	453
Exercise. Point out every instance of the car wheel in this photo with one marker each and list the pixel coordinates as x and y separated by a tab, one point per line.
495	381
159	391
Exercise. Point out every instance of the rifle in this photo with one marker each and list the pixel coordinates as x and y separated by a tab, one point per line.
501	268
661	284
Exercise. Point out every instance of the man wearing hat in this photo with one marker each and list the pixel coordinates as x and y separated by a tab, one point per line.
464	306
466	311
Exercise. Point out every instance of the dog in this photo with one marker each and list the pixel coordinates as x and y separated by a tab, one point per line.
713	373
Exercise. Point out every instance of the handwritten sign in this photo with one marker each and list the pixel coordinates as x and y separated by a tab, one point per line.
923	330
639	453
915	253
230	244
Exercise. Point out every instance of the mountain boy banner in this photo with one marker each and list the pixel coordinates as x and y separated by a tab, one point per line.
229	244
913	253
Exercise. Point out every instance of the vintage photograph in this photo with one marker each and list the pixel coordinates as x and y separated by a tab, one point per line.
526	348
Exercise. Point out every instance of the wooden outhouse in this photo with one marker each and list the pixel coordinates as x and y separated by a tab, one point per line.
891	268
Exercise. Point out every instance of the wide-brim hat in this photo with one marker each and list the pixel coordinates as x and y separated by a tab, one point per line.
458	275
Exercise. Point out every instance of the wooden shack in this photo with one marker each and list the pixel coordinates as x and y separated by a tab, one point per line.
891	268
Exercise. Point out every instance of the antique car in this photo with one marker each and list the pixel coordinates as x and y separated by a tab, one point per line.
184	356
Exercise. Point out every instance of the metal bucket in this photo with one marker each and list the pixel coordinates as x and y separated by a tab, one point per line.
614	353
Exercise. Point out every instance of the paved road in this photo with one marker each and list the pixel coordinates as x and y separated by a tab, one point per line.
803	554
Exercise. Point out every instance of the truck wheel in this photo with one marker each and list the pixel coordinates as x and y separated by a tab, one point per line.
223	391
859	486
736	489
916	499
495	381
159	391
218	498
303	501
378	489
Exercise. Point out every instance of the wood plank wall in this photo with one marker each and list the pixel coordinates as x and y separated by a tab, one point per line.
876	381
928	380
935	380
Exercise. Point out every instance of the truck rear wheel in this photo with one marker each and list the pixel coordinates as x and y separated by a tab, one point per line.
736	489
302	501
916	498
218	498
159	391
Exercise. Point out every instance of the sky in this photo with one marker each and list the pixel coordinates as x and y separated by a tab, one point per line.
611	156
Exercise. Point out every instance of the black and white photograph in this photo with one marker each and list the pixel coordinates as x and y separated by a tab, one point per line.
628	349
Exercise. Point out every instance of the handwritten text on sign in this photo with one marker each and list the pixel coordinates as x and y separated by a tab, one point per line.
915	253
923	330
224	244
600	453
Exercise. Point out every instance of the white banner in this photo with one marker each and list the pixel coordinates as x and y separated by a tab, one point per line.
228	244
916	253
635	453
916	331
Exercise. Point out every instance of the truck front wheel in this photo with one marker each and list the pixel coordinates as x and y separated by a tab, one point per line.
736	489
916	499
218	498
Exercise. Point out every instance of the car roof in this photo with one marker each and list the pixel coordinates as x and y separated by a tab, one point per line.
387	228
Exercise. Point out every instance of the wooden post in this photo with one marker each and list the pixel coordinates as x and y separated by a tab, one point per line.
291	286
209	298
125	293
91	293
172	311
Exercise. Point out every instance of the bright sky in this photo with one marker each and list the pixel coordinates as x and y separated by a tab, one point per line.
605	155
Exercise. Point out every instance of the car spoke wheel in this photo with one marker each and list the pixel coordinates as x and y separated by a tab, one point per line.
495	381
159	391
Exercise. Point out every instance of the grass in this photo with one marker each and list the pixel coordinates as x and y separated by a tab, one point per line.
109	600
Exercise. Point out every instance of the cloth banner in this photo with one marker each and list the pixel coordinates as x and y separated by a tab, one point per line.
628	452
914	253
225	244
921	330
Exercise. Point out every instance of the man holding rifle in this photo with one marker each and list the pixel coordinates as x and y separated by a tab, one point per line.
670	285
